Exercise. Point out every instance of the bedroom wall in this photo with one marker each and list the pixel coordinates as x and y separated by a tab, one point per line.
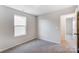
7	39
49	25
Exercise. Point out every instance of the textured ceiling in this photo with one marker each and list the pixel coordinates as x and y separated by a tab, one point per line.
39	9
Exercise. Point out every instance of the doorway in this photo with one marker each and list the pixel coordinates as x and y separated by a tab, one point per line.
68	32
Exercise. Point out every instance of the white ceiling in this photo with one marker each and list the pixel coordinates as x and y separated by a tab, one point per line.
39	9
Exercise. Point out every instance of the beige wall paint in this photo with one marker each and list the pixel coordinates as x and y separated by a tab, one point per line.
49	25
7	39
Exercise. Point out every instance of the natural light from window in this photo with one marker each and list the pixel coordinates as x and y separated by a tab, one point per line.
19	25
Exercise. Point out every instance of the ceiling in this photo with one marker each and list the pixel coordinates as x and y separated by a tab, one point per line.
39	9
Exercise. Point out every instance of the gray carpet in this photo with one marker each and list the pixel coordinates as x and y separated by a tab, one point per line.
37	46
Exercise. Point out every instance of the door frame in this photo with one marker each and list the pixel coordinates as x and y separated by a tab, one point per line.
64	42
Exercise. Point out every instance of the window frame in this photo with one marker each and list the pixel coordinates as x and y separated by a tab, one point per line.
15	26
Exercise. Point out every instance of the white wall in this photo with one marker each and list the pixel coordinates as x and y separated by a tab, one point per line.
49	25
7	39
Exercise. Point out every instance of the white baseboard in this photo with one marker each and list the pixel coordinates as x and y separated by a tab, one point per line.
51	41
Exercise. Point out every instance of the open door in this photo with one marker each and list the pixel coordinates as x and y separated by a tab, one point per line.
78	32
68	32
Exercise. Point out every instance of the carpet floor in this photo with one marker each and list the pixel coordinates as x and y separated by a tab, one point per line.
38	46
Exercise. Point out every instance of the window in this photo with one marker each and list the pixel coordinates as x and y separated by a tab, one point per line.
19	25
